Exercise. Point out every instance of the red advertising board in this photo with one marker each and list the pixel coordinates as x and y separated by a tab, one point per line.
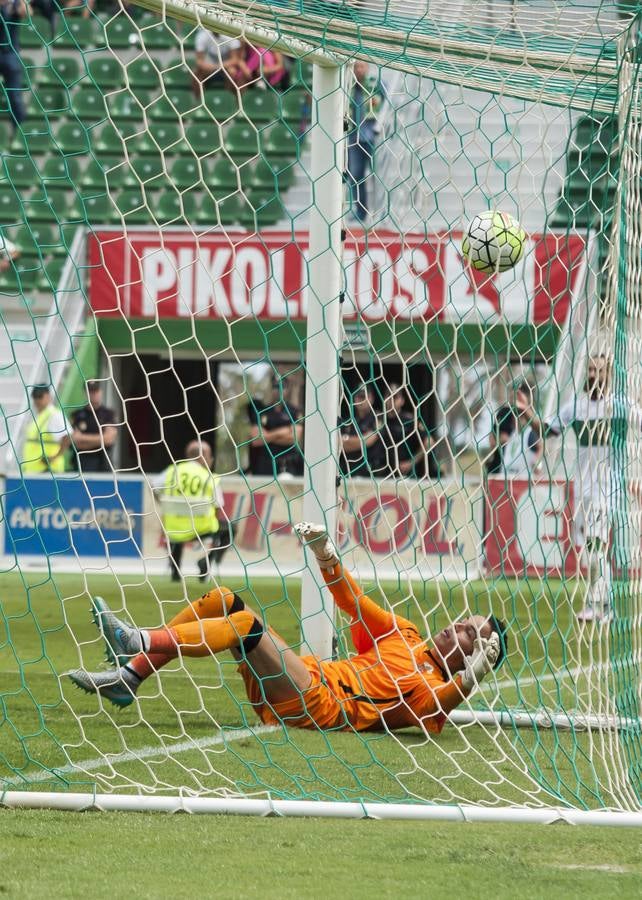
235	274
528	528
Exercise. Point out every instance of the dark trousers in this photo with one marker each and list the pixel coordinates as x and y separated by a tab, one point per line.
219	544
359	165
11	71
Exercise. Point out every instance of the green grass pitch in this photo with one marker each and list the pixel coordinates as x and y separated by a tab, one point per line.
193	729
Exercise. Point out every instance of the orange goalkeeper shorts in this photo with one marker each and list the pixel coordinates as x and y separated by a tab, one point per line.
316	707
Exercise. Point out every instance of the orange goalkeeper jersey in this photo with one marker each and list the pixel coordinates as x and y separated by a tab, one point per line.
396	684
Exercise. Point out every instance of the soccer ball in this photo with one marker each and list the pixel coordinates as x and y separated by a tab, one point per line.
494	242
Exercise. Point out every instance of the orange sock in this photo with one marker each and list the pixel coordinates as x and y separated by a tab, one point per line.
206	636
218	602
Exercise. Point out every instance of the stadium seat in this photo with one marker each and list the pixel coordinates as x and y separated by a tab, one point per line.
204	138
93	175
73	138
11	207
76	33
223	178
21	171
263	208
19	279
62	71
270	177
35	34
221	104
49	101
176	209
160	35
133	207
100	210
261	106
106	72
146	170
125	105
241	141
111	141
88	105
36	240
279	141
176	74
143	72
33	138
121	32
65	203
58	169
292	107
176	102
186	172
49	277
165	136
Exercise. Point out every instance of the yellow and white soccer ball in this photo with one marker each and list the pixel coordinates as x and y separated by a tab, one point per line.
494	242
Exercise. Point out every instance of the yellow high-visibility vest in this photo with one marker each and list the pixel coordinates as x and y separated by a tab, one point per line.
188	502
41	445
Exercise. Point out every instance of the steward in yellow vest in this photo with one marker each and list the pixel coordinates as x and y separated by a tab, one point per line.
190	501
46	437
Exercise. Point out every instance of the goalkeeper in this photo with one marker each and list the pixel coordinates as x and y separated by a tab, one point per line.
396	680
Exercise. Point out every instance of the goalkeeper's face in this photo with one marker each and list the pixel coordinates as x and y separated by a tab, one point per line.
458	640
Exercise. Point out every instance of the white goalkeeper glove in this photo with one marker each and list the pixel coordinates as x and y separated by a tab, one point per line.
480	662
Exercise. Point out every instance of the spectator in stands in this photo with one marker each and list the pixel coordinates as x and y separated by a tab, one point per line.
220	61
192	509
516	446
363	129
269	65
361	447
94	432
276	434
405	439
47	435
11	14
8	252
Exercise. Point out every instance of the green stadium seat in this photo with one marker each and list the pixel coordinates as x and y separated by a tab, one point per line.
62	71
50	275
64	201
18	279
165	136
12	210
21	171
222	179
270	177
262	209
301	74
221	104
146	170
74	32
172	208
106	73
204	138
33	138
292	107
185	172
229	209
124	105
88	105
143	72
60	169
100	210
160	36
121	32
241	141
110	140
73	138
133	206
175	102
35	33
36	240
261	106
49	101
176	74
279	141
93	175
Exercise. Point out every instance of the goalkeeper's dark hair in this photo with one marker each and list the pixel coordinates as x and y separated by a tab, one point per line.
499	627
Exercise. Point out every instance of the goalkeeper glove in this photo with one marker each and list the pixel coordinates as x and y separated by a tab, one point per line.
480	662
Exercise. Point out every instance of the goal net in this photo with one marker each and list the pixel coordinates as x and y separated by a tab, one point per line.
237	227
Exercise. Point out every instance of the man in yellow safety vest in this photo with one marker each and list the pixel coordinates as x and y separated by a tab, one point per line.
47	435
191	501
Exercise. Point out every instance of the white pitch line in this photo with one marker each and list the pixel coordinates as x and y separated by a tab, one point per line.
101	762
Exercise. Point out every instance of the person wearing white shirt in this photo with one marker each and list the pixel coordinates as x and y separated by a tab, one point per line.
220	60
